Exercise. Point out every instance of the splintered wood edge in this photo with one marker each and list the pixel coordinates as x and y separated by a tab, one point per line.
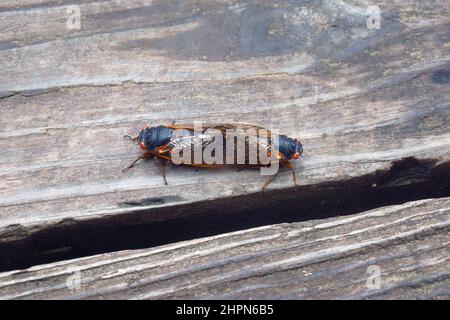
336	258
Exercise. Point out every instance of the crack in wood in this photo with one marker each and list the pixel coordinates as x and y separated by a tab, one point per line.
407	180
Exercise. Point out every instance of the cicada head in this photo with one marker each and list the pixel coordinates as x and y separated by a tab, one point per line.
142	137
290	148
298	149
151	138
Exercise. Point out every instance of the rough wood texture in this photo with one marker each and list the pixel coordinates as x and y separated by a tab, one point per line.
359	98
323	259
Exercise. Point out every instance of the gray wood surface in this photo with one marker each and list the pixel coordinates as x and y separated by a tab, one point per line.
335	258
358	98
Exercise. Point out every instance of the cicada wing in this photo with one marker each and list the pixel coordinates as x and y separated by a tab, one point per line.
247	140
218	126
184	145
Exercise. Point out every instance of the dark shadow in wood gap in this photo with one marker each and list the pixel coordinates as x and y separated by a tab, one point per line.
407	180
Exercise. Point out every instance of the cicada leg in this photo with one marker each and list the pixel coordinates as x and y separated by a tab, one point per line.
268	181
286	164
162	169
144	156
289	165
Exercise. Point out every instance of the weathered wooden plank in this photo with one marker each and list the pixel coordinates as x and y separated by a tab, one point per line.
325	259
148	41
359	98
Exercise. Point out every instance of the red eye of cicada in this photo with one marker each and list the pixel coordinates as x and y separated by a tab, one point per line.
142	145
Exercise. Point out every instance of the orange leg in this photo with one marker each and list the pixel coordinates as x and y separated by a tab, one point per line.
286	164
144	156
289	165
268	181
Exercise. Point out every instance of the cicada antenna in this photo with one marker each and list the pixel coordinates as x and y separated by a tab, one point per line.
130	137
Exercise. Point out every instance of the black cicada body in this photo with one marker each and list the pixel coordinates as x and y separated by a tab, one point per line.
166	141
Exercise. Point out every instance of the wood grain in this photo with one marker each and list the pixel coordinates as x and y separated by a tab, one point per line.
322	259
358	98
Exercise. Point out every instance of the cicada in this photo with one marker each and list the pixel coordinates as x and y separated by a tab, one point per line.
237	142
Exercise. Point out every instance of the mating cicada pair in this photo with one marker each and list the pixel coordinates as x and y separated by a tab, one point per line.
215	145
